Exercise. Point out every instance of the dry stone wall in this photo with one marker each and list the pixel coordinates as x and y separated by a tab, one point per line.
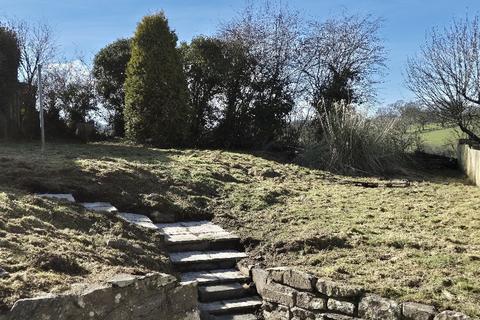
289	294
125	297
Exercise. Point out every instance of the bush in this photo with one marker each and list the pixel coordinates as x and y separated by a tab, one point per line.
348	141
156	98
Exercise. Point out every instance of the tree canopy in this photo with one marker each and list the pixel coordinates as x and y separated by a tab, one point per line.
156	98
109	70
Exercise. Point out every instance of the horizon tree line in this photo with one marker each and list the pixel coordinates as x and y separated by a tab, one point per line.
246	86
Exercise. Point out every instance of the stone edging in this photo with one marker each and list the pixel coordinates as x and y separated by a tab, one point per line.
294	295
152	297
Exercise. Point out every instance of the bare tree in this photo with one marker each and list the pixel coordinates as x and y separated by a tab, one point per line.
341	60
446	74
37	46
267	36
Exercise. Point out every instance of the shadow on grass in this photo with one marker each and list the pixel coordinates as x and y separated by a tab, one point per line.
416	167
130	177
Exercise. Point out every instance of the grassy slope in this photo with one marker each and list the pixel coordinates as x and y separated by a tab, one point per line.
419	243
47	245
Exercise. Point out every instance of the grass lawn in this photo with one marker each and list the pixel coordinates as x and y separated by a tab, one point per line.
419	243
437	139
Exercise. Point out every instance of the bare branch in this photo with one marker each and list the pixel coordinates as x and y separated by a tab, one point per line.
446	74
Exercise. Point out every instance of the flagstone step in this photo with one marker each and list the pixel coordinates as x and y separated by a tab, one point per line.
211	293
217	241
215	277
196	236
57	196
205	260
137	219
99	206
230	307
236	317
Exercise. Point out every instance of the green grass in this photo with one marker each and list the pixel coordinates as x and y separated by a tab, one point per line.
419	243
438	139
441	137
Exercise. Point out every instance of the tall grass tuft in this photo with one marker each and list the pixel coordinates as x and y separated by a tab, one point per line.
346	140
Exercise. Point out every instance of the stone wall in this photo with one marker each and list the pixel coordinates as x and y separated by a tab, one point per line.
292	295
469	160
125	297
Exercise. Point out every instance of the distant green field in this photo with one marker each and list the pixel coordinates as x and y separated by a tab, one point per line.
438	139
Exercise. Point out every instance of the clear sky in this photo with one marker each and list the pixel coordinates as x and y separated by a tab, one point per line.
85	26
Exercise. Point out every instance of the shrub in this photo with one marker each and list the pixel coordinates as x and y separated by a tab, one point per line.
156	107
348	141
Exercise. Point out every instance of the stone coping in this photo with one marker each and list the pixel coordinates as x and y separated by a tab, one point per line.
153	296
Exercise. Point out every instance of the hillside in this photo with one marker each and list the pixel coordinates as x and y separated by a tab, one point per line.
420	242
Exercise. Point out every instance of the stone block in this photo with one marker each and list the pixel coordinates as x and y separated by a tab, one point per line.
122	280
99	206
451	315
344	307
299	280
277	274
137	219
280	294
302	314
184	298
418	311
276	312
333	316
58	196
338	290
260	278
245	268
374	307
311	302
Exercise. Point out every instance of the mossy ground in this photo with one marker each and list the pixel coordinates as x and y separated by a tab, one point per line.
418	243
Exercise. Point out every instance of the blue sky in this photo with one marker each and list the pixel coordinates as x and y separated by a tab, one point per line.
85	26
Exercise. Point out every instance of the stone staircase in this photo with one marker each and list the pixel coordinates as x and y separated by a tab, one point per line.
206	253
203	252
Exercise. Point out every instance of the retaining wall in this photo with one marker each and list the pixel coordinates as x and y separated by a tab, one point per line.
293	295
469	160
153	297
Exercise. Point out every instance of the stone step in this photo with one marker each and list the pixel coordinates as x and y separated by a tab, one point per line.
196	236
215	277
217	292
99	206
57	196
230	307
205	260
236	317
137	219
